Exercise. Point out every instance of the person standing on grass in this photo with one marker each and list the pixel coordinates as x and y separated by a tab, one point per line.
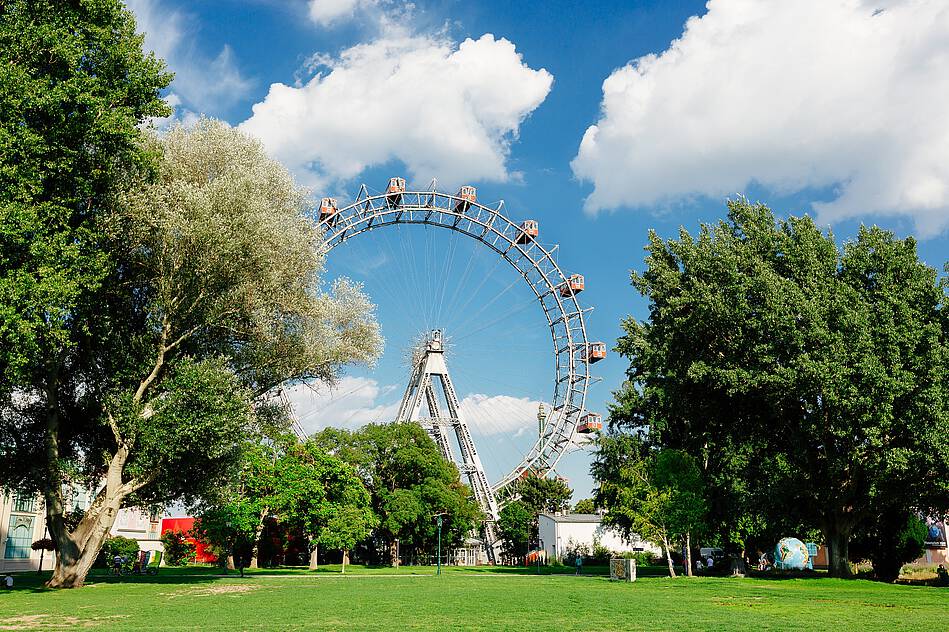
579	563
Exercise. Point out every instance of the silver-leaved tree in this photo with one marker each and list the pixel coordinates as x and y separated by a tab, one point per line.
212	300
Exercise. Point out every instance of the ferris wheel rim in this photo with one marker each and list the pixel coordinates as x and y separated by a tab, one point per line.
568	328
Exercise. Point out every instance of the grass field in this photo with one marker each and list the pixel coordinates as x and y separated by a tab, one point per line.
462	598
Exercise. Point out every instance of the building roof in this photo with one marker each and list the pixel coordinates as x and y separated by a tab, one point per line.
573	517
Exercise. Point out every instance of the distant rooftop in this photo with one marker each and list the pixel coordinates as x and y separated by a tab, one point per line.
573	517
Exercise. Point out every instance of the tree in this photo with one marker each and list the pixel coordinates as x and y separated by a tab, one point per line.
212	302
517	527
231	516
890	541
346	525
585	505
809	381
74	89
542	493
656	495
312	489
409	483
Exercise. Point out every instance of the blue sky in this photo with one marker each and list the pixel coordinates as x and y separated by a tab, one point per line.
833	108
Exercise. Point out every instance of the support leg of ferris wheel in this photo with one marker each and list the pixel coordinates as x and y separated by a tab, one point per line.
430	368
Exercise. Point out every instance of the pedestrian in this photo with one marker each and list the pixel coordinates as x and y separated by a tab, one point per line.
709	563
942	576
579	563
8	581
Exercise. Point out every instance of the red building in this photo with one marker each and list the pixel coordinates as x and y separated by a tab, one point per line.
184	525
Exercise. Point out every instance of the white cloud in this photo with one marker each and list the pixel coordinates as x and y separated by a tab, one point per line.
382	15
849	94
443	110
352	403
202	84
326	12
500	414
356	401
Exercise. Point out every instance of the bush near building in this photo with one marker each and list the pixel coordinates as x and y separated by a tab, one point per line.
178	550
116	545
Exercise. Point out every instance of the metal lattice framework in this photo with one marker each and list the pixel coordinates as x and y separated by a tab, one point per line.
535	264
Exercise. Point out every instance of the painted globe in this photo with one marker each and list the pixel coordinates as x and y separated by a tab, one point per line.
790	553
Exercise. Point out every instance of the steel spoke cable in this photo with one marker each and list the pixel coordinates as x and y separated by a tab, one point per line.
484	306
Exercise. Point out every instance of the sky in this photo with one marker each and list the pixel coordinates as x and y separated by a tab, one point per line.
601	120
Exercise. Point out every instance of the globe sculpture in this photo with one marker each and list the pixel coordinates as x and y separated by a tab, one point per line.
790	554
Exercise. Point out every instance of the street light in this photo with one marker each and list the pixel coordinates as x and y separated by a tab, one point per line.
230	545
438	519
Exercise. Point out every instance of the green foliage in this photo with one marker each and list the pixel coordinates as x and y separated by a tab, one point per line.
517	527
891	541
792	369
585	506
544	494
654	494
178	550
599	554
573	550
346	525
74	88
408	482
126	548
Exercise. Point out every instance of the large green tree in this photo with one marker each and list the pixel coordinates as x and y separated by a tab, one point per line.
211	299
321	496
809	380
75	87
409	482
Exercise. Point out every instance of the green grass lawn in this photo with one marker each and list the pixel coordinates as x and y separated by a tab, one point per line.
468	598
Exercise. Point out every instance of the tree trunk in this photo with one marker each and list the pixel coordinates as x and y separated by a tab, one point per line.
838	545
229	564
688	553
345	559
665	545
76	552
314	552
255	551
394	553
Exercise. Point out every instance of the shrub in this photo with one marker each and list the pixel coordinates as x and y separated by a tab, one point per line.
643	558
117	545
178	550
600	554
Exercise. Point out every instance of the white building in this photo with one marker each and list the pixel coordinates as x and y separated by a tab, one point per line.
22	522
561	533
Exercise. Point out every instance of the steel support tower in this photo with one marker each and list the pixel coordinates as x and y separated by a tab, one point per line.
430	369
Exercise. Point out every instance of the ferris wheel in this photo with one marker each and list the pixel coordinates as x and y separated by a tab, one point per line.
518	244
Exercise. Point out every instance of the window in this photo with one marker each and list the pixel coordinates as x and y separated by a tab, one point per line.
24	502
19	537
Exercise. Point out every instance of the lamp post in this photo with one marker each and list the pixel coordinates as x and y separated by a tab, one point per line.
439	559
540	548
230	545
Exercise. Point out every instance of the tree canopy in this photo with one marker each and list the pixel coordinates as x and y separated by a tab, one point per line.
810	381
409	483
209	297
